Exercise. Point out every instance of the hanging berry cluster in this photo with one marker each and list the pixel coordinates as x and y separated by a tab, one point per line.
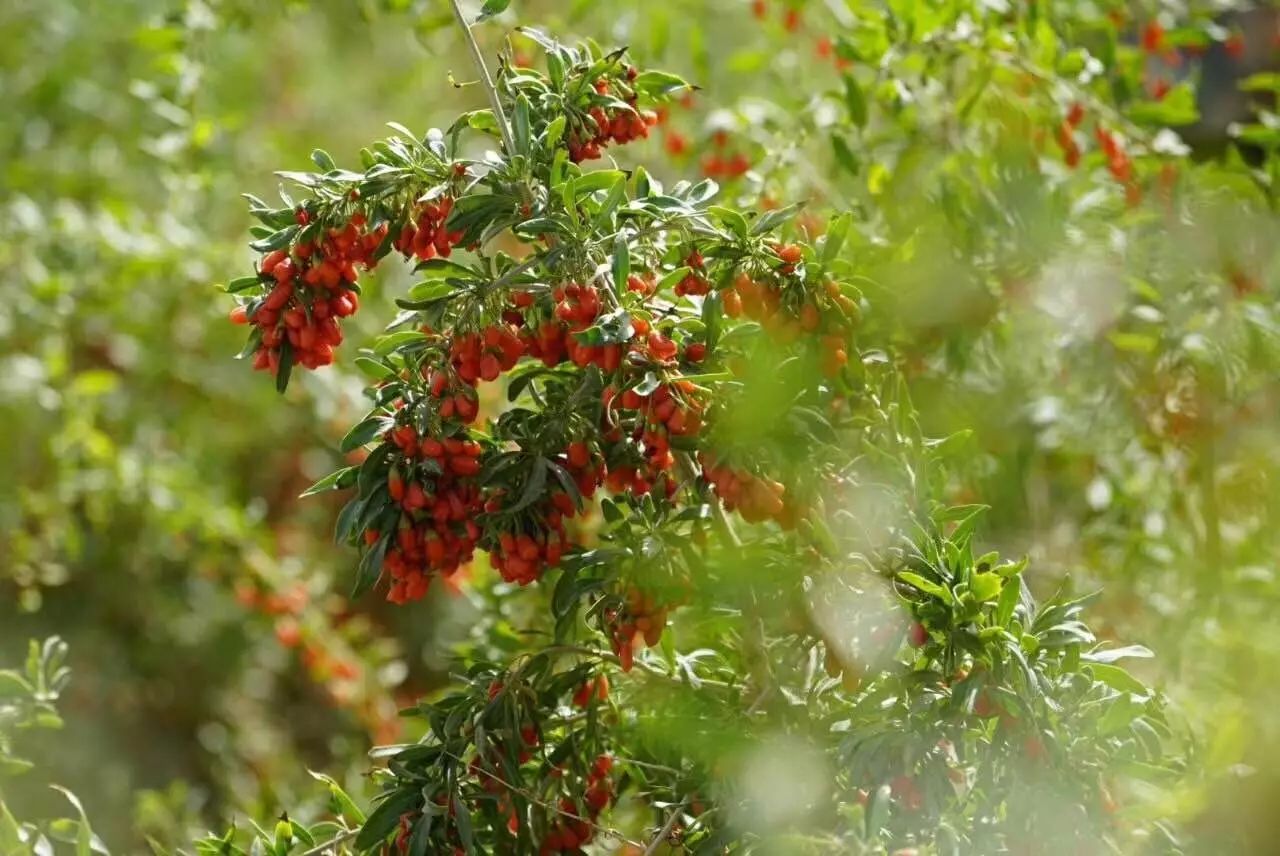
603	99
614	123
433	481
1118	162
725	161
303	289
576	826
424	235
787	314
639	618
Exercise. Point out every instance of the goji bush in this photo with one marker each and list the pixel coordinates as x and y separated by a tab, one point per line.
687	483
738	523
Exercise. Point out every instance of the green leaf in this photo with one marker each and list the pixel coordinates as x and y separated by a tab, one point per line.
1113	654
343	803
621	263
1009	597
927	586
877	811
373	471
275	240
555	131
346	520
985	586
370	568
427	292
386	817
599	180
1177	107
1117	678
338	480
286	367
555	69
364	432
241	283
1264	81
770	220
616	194
732	220
845	156
13	685
387	344
712	316
439	268
855	101
658	84
11	834
321	159
532	488
491	8
373	369
462	817
480	120
834	240
84	833
520	125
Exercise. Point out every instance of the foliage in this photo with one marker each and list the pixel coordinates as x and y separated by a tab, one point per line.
647	310
1006	245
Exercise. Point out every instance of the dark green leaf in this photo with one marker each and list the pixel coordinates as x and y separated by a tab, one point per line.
240	283
364	432
286	367
386	817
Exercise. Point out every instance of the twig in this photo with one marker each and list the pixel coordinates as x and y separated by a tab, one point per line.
607	831
508	142
666	829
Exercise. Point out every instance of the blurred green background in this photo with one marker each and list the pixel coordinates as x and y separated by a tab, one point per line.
148	507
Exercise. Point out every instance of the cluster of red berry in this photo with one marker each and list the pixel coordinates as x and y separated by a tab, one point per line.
830	313
790	14
433	481
446	514
553	336
313	288
524	556
671	410
574	829
619	125
695	282
640	618
484	355
721	163
1066	135
424	234
595	689
756	498
521	557
1119	164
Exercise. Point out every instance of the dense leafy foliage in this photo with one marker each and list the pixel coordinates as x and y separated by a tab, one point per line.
705	454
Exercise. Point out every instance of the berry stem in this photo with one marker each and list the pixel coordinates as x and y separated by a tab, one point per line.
666	829
331	846
508	142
